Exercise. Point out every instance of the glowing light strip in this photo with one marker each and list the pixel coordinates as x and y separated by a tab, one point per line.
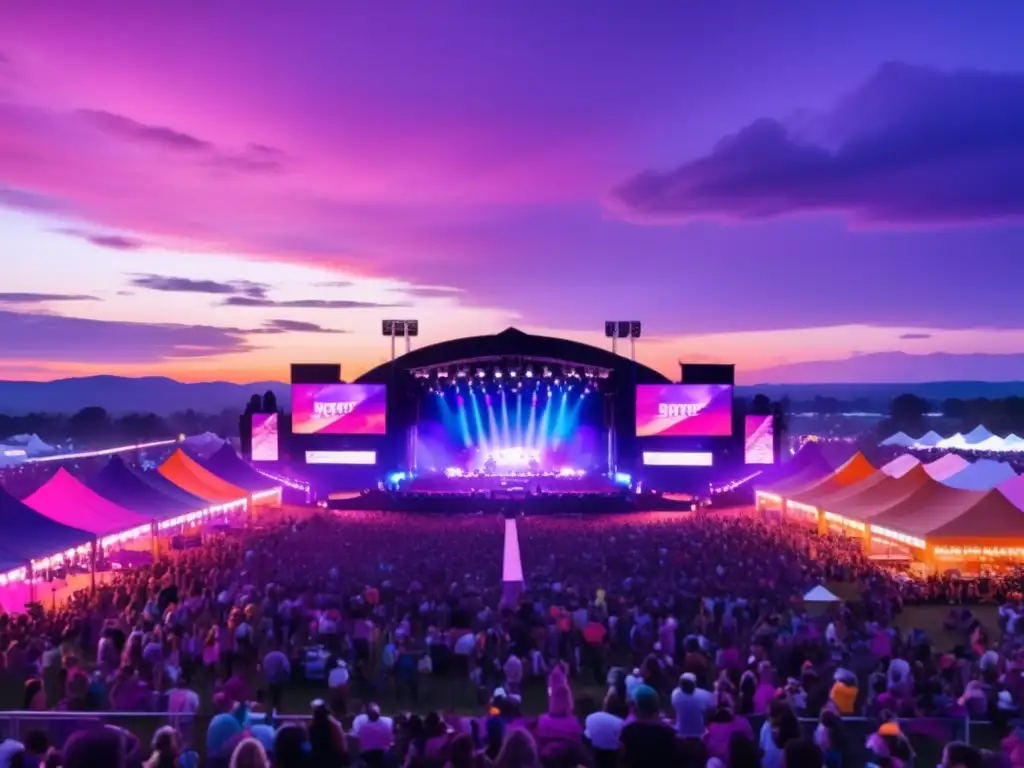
13	577
295	485
857	525
365	458
104	452
801	507
902	538
678	458
765	496
979	551
201	514
129	535
734	484
272	493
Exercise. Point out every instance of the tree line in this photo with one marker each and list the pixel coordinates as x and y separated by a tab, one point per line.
915	415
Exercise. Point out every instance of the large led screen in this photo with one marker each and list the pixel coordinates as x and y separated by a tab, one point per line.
264	437
339	409
759	445
683	410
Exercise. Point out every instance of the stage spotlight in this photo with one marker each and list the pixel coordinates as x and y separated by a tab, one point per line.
443	373
462	373
497	373
547	372
557	382
480	373
513	373
529	373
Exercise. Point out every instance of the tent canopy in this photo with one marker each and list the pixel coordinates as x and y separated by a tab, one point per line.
946	466
994	516
187	474
900	465
900	438
977	435
929	439
159	483
227	465
815	469
205	444
930	507
67	500
982	475
855	470
122	486
874	500
30	535
820	595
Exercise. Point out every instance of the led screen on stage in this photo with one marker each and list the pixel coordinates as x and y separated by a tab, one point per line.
759	444
339	409
363	458
678	459
683	410
264	437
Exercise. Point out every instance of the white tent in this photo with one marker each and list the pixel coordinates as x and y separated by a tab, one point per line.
956	441
31	444
900	438
820	595
994	443
977	435
982	475
928	440
205	444
1013	443
899	466
946	466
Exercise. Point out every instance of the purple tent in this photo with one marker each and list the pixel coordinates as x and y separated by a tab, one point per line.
120	485
227	465
160	483
28	535
808	463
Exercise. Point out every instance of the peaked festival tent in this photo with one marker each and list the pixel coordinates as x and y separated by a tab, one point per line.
1013	443
977	435
820	595
205	444
931	506
228	465
993	520
1013	489
67	500
29	535
857	469
807	456
188	474
900	438
122	486
871	501
945	466
982	475
899	466
993	443
954	441
928	440
158	482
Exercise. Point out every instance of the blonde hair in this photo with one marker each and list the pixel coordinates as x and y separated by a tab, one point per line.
249	754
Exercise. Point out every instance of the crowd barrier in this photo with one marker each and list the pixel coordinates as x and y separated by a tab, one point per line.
928	735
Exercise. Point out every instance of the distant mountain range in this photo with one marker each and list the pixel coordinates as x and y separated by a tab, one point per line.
120	395
163	396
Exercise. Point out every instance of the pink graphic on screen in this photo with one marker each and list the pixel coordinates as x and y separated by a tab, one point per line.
759	445
264	437
339	409
683	410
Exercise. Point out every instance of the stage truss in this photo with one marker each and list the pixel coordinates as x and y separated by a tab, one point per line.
501	367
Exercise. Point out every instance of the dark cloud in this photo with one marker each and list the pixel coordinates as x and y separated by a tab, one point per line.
915	336
122	127
72	339
114	242
912	146
295	326
430	291
42	298
239	288
249	301
255	158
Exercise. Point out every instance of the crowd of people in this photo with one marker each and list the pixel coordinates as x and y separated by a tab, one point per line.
387	639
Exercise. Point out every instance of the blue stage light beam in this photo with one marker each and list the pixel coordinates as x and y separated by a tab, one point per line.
531	424
493	435
506	436
460	407
545	420
481	437
519	419
561	428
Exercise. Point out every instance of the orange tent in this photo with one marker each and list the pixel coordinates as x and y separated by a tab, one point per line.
994	520
930	507
854	471
190	476
870	501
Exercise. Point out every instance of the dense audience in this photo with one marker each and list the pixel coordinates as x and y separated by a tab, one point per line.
638	640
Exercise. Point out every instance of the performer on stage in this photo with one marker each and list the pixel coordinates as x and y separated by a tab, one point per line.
490	466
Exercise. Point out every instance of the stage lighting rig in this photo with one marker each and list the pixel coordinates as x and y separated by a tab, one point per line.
400	328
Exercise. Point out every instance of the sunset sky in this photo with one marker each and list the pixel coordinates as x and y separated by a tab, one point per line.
812	190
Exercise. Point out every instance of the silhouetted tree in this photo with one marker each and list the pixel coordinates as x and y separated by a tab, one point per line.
254	405
92	423
760	405
269	402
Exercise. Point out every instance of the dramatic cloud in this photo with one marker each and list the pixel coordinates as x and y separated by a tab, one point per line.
72	339
42	298
26	200
915	336
431	291
247	301
912	146
114	242
240	288
296	326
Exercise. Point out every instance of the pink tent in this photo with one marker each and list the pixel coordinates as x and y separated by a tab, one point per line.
67	500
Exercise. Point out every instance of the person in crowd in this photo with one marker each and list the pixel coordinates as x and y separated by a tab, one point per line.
603	730
723	725
648	740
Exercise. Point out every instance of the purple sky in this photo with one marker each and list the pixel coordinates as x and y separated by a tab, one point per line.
216	189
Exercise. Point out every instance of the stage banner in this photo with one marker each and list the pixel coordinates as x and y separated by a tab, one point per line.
339	409
759	445
264	437
683	410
